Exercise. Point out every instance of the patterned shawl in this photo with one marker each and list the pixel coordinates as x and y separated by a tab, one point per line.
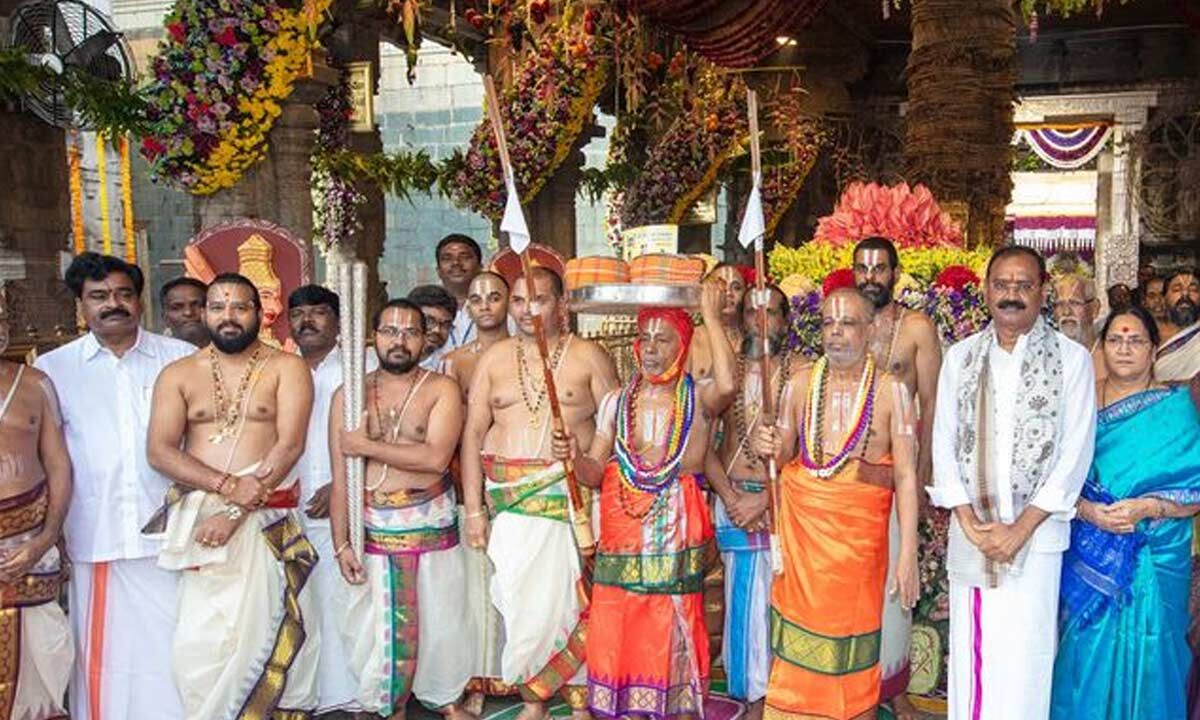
1037	430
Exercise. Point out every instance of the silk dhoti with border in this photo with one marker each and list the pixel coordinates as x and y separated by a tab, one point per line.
649	653
537	586
745	642
826	607
405	628
36	650
248	638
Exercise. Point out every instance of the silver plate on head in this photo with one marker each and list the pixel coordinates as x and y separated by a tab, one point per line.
628	298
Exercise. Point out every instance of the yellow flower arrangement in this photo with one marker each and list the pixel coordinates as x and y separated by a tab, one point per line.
816	259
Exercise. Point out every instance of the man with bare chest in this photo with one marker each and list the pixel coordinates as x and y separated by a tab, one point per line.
847	434
507	456
648	648
487	306
733	284
35	488
740	514
906	346
402	618
228	426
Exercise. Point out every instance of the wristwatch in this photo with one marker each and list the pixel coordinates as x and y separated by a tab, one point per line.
234	512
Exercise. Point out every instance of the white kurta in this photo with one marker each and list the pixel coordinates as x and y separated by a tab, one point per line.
1179	357
122	606
1017	621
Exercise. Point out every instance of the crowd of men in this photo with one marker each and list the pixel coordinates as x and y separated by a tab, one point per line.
197	484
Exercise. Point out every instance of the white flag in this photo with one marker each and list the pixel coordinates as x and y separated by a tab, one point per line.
513	221
753	225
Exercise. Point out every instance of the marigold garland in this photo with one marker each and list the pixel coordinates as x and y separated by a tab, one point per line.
75	182
127	202
102	177
219	81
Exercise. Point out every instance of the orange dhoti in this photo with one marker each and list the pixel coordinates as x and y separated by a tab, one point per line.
827	604
648	651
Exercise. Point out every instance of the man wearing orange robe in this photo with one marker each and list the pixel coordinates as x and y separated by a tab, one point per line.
847	430
647	648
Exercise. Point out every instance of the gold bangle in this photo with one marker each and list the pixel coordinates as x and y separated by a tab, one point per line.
343	548
478	513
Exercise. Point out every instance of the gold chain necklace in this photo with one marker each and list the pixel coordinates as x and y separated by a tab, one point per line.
526	379
227	415
739	401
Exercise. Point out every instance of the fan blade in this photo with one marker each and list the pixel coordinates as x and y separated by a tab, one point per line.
87	53
62	38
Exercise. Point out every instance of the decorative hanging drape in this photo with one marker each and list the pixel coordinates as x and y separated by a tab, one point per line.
127	203
75	179
102	177
730	33
1055	233
1066	147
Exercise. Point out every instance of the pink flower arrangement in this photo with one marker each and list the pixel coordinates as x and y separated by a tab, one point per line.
909	217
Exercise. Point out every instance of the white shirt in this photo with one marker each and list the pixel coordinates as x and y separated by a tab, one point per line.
314	465
106	415
1077	408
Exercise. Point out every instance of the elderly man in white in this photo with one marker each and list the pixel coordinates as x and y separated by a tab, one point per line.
1013	437
122	605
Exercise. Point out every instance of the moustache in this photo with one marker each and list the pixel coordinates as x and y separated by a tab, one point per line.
230	326
1010	305
308	328
115	312
1184	302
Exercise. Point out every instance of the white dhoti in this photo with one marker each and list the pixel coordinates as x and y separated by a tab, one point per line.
896	637
124	614
248	638
746	640
536	586
484	623
405	628
35	637
1002	644
336	687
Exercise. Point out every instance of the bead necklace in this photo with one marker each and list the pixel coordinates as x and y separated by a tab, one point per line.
739	402
395	418
526	381
227	415
639	475
813	436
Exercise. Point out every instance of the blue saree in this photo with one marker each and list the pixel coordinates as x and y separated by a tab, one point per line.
1123	651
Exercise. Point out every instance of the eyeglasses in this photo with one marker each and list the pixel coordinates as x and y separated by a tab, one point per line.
1004	287
432	323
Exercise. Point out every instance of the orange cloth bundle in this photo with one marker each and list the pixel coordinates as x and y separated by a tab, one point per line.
595	270
666	269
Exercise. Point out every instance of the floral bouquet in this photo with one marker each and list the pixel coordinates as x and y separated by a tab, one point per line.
218	83
910	217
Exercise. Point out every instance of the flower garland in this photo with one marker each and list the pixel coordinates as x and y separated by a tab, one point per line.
544	109
219	81
684	164
127	203
812	439
75	182
335	199
102	178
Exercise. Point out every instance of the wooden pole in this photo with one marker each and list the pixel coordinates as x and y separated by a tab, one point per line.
760	282
581	515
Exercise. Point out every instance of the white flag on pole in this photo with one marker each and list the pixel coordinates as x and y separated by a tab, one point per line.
513	221
753	225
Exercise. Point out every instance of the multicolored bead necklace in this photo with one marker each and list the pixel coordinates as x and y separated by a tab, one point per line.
634	473
813	437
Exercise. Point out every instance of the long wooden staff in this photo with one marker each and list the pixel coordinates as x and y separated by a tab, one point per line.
581	524
760	312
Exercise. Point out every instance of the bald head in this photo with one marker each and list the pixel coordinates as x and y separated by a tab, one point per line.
847	320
